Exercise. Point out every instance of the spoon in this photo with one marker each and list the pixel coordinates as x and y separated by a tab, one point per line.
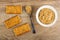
29	10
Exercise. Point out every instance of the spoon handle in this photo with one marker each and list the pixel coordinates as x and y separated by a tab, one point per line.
33	29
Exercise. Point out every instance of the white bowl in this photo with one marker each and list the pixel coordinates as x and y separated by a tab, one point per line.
49	7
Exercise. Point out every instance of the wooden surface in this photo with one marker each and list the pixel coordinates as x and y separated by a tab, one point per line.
42	33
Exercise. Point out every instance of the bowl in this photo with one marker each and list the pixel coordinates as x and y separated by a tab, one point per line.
49	7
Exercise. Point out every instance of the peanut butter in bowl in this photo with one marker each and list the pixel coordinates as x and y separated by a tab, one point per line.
46	16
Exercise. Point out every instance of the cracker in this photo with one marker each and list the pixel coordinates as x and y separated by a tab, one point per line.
12	21
21	29
11	9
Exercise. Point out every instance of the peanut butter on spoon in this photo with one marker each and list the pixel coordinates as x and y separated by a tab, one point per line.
28	9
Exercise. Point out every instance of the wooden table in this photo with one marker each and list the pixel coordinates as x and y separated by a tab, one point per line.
42	33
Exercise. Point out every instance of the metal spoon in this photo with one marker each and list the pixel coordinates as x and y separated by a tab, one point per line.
30	14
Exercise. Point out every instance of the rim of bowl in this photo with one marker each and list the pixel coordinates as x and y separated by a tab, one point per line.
50	7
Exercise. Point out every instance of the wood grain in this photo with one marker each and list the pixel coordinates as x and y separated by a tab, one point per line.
42	33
